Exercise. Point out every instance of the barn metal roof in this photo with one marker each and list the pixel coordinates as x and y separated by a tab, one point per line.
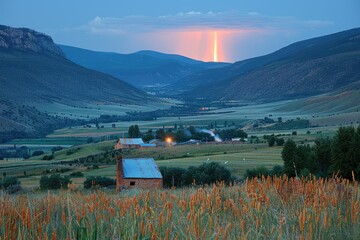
140	168
131	141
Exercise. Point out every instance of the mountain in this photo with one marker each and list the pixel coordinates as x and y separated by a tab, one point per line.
34	70
143	68
305	68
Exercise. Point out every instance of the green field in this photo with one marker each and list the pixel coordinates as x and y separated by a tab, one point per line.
236	157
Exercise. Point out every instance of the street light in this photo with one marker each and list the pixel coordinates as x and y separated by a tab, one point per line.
169	140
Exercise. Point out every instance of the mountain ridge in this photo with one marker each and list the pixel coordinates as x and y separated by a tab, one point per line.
305	68
142	68
34	71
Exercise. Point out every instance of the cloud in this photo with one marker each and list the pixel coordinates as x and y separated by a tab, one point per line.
229	20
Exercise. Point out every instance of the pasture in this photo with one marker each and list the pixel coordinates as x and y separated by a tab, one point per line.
236	157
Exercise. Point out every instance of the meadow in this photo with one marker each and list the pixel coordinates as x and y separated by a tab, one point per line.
278	208
236	157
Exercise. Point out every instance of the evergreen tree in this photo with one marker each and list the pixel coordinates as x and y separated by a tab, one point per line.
288	155
345	152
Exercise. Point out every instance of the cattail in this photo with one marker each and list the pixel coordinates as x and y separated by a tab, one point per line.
54	236
63	217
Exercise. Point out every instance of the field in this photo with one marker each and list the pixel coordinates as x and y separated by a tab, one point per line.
236	157
278	208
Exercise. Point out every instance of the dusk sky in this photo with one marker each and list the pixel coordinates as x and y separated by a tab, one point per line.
209	30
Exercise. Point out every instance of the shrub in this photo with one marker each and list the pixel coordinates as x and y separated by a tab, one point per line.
206	173
55	181
257	172
277	170
280	141
76	174
9	181
37	153
271	141
14	189
172	176
98	181
48	157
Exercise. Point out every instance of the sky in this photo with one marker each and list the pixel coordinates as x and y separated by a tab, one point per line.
208	30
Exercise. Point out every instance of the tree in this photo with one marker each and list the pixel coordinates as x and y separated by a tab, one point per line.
257	172
345	152
55	181
98	181
271	141
148	136
10	181
288	155
172	176
322	150
279	141
232	133
160	133
134	131
206	173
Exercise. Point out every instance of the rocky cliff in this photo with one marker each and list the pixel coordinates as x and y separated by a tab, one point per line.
28	40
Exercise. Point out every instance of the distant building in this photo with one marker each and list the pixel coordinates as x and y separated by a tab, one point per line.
14	159
137	173
132	143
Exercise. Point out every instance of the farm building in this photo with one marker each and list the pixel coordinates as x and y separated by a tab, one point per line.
132	143
137	173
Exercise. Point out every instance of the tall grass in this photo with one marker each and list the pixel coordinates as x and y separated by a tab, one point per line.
278	208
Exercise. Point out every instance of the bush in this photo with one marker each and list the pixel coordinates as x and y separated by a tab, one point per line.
76	174
277	170
9	181
14	189
271	141
280	141
48	157
55	181
98	181
172	176
257	172
37	153
206	173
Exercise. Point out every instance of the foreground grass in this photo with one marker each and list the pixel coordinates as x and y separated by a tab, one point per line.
278	208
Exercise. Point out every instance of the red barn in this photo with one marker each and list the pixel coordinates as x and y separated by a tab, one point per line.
137	173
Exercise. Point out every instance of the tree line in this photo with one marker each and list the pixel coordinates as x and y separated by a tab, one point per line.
339	155
207	173
182	134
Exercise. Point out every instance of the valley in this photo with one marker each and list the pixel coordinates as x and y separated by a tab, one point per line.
68	113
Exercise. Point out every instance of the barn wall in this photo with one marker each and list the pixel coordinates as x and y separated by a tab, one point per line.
143	183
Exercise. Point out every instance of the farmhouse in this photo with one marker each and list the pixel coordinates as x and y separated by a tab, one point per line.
132	143
137	173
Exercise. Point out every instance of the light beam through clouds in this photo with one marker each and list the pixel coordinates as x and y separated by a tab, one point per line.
215	47
204	36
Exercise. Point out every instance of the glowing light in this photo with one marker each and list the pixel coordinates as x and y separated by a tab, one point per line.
215	59
168	140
